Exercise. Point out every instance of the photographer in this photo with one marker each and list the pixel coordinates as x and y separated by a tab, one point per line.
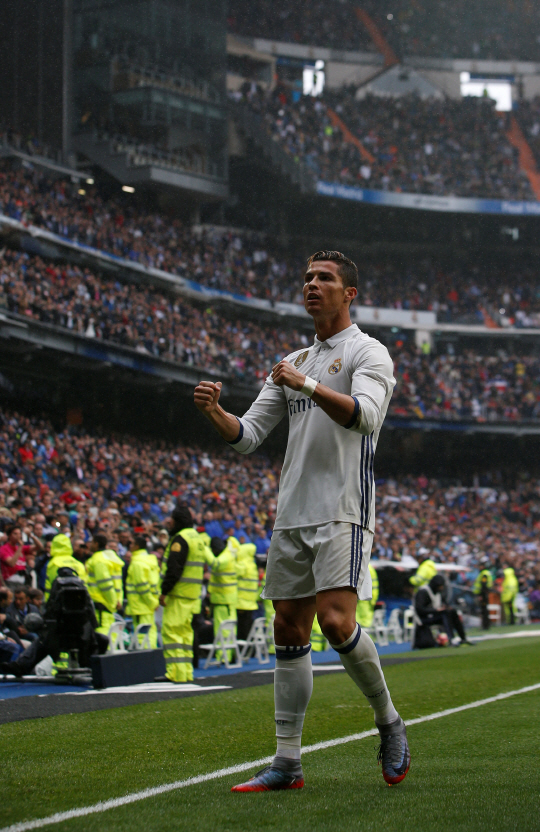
431	609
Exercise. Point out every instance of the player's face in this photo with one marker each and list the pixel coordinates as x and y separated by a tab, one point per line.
323	288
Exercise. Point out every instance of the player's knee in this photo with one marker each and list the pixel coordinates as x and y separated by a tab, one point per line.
289	630
335	625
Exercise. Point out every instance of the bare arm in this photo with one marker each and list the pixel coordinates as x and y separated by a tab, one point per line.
340	407
206	399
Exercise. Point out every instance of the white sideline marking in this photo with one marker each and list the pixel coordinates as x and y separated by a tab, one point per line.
116	802
518	634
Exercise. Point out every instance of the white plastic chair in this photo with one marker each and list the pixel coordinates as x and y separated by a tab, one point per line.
379	628
116	638
522	614
257	640
141	630
394	626
225	640
408	624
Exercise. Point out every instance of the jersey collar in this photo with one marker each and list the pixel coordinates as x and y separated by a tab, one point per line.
337	338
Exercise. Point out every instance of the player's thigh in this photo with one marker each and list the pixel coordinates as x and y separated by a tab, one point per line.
289	571
341	556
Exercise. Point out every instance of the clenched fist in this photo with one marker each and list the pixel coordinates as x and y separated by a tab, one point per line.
285	374
206	396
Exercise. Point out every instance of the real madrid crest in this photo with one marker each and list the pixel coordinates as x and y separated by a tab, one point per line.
301	358
335	367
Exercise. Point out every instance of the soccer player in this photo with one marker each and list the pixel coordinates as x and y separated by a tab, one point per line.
335	395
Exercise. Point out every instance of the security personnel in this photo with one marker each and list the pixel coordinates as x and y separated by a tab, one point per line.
268	607
61	555
223	585
100	570
117	564
142	599
481	587
509	590
248	587
425	572
182	572
366	609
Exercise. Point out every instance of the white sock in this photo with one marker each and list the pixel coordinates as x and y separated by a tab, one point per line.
293	685
361	661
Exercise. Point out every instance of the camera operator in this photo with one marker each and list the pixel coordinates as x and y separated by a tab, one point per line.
431	609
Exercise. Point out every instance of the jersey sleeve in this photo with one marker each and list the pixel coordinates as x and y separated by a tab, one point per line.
265	413
372	385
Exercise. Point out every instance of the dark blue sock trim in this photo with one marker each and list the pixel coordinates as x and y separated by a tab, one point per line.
352	644
292	652
240	434
354	417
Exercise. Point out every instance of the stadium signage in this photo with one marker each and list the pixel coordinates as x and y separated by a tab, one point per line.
426	202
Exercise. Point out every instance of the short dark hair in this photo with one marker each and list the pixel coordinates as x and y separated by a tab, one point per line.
101	540
348	271
140	541
20	589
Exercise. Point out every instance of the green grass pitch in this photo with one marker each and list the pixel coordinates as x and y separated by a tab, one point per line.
475	770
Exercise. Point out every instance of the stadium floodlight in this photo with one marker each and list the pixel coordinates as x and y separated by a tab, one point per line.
129	189
90	181
314	79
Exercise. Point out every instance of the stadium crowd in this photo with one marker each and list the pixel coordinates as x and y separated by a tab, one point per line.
494	30
73	482
469	386
439	147
229	260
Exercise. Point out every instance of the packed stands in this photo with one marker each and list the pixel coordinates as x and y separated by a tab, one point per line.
140	317
469	387
439	147
71	479
482	29
255	267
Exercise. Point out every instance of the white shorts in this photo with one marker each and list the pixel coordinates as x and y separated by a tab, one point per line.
302	562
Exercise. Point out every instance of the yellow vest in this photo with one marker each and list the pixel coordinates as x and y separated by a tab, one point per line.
117	564
141	596
484	578
190	584
425	572
510	586
248	577
100	581
223	586
61	555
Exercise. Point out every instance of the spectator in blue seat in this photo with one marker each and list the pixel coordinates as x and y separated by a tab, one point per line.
212	526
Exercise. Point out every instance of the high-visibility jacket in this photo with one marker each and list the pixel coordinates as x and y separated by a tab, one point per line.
61	555
485	578
190	584
117	566
248	577
141	596
100	581
233	544
425	572
510	585
366	609
154	572
223	586
374	585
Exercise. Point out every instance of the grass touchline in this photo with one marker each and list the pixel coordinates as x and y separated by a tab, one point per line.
116	802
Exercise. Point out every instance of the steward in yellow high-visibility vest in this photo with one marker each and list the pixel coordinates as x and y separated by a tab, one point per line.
223	585
116	571
269	611
425	572
248	587
366	609
317	637
509	591
100	570
140	589
61	555
482	585
182	572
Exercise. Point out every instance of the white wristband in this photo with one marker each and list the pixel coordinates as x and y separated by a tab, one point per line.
309	387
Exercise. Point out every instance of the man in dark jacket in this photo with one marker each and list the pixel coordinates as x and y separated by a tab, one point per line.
17	611
431	609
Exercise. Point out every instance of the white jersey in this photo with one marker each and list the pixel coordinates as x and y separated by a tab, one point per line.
328	469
